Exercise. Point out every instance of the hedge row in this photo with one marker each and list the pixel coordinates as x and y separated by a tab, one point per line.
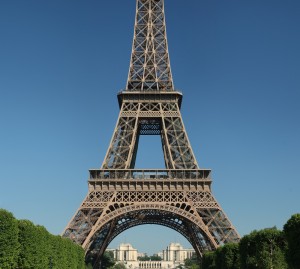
24	245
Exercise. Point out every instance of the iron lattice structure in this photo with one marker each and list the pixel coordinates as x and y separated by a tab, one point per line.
121	197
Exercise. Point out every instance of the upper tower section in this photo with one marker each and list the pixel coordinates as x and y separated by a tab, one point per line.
150	69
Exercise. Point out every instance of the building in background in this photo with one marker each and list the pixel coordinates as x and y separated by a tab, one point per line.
175	252
173	256
125	252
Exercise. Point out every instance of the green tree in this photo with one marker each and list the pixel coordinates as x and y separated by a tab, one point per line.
24	245
119	266
263	249
35	246
58	253
144	258
80	257
209	260
227	257
65	254
89	266
155	258
107	260
9	245
71	253
44	239
192	263
292	233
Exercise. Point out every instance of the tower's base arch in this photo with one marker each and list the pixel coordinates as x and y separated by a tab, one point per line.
171	216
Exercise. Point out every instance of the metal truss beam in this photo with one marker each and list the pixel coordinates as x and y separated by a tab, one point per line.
150	68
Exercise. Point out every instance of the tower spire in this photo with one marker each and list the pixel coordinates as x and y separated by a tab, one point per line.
150	65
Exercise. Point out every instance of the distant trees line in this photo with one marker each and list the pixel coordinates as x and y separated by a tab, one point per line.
264	249
150	258
24	245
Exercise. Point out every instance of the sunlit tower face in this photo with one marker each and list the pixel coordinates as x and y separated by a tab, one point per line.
120	196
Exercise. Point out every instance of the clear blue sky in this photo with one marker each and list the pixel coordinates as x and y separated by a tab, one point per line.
62	63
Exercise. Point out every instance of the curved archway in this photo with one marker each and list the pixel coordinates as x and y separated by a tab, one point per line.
120	218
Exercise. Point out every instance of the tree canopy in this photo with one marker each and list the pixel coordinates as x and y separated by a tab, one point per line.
150	258
24	245
263	249
292	233
9	244
227	257
192	263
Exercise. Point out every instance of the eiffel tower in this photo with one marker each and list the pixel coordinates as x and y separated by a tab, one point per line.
120	196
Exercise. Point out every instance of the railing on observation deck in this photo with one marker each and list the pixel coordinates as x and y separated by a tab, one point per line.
150	174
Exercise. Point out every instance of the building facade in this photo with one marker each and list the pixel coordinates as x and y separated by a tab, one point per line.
173	256
125	252
175	252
